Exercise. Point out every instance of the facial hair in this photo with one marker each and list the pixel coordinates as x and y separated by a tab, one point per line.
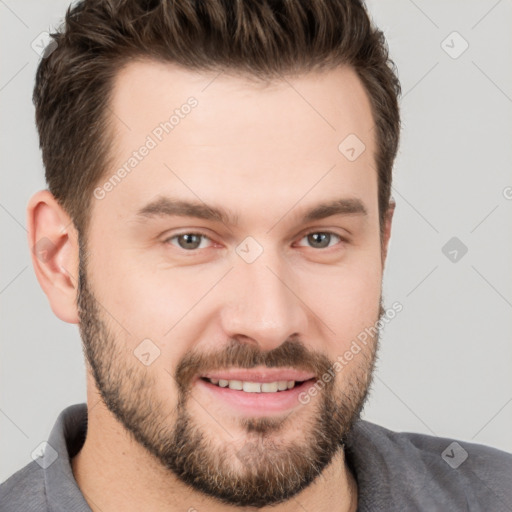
265	470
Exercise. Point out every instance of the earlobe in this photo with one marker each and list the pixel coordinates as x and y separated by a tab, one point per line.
53	242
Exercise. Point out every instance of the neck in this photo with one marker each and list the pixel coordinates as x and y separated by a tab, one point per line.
114	472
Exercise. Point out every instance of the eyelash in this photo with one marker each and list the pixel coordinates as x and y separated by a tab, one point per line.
204	236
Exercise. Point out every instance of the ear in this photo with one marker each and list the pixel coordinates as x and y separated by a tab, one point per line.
387	230
53	241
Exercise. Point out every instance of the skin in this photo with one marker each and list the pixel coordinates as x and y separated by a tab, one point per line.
245	145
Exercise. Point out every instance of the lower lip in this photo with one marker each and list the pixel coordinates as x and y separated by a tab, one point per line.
257	403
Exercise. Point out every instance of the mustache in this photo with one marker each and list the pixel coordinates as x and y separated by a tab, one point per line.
291	353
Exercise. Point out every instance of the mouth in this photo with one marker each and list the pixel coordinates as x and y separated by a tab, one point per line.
254	387
255	392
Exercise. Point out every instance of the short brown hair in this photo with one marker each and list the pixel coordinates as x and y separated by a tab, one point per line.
263	39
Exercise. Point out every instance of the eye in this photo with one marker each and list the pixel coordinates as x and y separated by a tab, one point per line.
193	241
322	239
188	241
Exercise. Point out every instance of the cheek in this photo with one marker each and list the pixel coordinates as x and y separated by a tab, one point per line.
347	300
131	285
157	302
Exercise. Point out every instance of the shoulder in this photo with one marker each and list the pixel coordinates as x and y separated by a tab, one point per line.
421	469
47	482
24	490
414	445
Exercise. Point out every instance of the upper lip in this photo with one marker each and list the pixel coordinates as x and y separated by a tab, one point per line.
260	374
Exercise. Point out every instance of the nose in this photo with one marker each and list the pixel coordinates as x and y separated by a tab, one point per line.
263	305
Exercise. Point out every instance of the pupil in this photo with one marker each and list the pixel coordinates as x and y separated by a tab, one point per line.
324	239
191	241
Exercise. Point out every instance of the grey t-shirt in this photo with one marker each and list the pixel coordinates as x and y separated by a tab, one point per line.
394	472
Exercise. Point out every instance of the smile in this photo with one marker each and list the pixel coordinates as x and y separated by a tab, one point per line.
254	392
254	387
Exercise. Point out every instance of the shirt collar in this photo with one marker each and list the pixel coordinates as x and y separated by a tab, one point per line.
69	432
65	441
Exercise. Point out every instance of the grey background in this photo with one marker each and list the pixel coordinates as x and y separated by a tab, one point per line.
445	359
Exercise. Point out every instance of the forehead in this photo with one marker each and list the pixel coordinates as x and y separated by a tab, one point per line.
223	138
329	102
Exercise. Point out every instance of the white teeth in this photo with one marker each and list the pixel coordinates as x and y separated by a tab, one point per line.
269	387
235	384
255	387
282	385
252	387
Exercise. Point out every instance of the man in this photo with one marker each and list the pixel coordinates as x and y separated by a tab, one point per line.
220	243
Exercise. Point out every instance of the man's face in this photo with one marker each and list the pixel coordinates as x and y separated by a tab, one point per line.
175	302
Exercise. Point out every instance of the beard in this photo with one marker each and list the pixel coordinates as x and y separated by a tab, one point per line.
263	470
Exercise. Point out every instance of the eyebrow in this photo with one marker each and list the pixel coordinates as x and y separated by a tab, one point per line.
168	207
